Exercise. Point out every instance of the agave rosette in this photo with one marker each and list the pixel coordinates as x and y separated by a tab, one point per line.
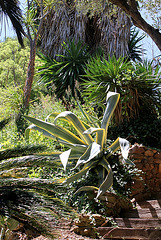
90	152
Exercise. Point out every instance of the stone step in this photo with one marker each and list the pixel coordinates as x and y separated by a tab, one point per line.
151	204
145	213
129	233
138	222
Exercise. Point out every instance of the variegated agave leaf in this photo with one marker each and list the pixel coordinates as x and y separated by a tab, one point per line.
89	152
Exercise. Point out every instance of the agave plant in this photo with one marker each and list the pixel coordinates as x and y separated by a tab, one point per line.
90	152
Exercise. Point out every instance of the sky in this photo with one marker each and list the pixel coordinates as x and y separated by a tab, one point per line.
148	44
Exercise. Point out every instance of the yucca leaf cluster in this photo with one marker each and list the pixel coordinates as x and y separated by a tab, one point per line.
63	73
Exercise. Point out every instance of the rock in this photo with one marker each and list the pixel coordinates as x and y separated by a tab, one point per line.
99	219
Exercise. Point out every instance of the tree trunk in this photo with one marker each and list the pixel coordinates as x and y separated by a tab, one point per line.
30	74
20	120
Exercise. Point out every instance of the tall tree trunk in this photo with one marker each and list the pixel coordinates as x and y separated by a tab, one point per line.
20	120
30	74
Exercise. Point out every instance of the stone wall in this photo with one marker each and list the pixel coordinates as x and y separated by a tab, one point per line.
149	161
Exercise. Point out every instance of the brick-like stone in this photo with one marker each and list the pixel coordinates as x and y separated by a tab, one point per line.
157	160
154	170
137	156
158	176
157	155
139	165
148	153
136	148
151	166
150	159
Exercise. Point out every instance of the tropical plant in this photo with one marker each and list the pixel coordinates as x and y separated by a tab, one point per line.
65	72
137	83
89	152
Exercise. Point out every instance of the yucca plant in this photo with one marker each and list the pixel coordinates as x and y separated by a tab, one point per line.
90	152
64	71
137	83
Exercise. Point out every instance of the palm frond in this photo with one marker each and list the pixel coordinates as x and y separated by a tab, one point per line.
11	9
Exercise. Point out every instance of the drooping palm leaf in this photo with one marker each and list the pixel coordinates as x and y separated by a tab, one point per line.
11	9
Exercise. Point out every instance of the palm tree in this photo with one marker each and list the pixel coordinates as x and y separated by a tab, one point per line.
11	9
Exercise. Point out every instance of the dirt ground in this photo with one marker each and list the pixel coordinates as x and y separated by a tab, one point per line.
65	232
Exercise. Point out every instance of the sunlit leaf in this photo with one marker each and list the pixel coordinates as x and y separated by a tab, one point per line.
57	131
76	123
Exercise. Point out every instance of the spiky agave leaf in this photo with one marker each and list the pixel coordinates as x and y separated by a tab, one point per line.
87	152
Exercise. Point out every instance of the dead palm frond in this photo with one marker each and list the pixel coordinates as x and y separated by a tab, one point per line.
111	32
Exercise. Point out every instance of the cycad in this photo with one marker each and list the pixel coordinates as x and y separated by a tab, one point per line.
29	200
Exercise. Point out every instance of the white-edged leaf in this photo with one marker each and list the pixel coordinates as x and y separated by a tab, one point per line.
77	147
77	124
64	158
52	115
86	188
92	151
107	184
57	131
108	181
114	147
36	128
124	145
100	135
112	100
83	171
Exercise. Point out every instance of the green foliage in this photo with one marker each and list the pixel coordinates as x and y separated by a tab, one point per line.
65	72
135	46
102	76
10	100
145	130
13	63
28	181
13	68
137	83
20	150
89	152
123	176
